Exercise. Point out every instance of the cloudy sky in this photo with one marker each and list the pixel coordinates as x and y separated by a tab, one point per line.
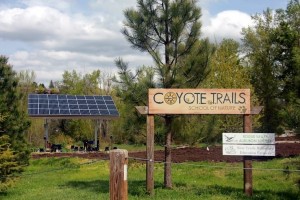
52	36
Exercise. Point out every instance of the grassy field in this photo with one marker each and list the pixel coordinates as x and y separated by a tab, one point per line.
74	178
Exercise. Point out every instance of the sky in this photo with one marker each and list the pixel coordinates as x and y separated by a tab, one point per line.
53	36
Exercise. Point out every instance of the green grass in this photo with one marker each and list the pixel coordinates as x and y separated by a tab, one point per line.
75	178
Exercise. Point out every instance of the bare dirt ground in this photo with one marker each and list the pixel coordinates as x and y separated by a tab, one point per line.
285	147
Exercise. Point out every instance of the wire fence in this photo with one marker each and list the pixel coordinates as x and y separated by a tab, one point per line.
284	170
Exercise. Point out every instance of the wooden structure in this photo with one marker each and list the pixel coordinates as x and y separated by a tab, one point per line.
197	101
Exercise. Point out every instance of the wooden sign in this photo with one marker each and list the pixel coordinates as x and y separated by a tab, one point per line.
199	101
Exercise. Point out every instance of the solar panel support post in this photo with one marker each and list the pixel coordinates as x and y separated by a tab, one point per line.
46	127
96	132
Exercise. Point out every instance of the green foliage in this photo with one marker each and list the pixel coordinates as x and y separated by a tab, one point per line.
131	90
8	164
261	55
272	48
15	122
76	83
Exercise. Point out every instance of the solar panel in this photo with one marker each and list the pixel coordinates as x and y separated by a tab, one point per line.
68	106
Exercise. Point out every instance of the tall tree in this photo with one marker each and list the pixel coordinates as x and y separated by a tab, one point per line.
261	55
13	121
287	40
169	31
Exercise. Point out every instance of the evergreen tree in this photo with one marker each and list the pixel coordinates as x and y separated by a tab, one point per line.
169	31
13	122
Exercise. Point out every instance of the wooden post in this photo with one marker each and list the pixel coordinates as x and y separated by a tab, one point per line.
118	186
46	137
247	161
150	155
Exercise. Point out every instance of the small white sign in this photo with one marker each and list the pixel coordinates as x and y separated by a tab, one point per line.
248	138
249	150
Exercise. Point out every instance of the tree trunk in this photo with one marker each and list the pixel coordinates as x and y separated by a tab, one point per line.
168	158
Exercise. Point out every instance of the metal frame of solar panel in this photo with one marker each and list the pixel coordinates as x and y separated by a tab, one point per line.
71	106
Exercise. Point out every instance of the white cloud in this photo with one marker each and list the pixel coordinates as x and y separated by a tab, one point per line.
55	36
226	24
61	41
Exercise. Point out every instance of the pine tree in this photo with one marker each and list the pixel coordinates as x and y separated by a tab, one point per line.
13	122
169	31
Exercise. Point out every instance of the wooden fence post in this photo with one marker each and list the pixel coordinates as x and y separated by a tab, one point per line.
118	186
150	155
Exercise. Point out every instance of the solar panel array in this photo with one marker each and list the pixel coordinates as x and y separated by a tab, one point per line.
59	105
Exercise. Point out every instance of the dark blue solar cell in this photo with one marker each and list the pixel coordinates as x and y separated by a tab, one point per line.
84	112
33	100
72	101
33	111
54	112
62	101
73	107
109	102
104	107
89	97
43	101
53	106
63	107
43	96
71	97
104	112
41	106
62	96
52	96
98	97
74	112
113	107
80	97
91	101
81	101
33	105
52	101
64	112
94	112
33	96
114	112
44	111
83	106
100	102
93	107
106	98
